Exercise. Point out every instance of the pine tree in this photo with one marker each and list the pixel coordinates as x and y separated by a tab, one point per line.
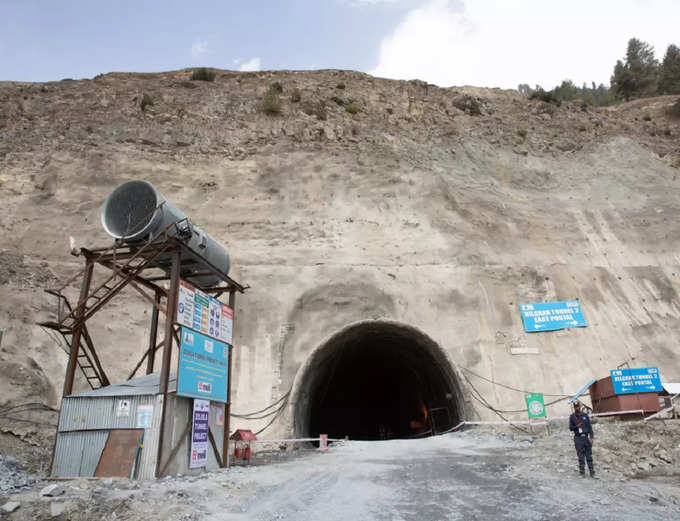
669	73
637	76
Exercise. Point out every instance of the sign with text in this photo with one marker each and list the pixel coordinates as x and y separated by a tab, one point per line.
199	434
201	312
203	367
550	316
636	380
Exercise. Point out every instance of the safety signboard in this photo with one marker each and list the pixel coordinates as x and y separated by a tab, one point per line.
202	312
199	434
203	367
550	316
535	405
637	380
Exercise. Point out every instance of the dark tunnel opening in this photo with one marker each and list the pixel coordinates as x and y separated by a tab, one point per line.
379	381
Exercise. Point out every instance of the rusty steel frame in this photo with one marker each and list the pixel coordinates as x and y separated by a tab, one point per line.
119	260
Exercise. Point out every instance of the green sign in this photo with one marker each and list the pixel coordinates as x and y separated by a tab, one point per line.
535	405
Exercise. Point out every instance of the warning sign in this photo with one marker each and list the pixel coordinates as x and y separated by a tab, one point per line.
201	312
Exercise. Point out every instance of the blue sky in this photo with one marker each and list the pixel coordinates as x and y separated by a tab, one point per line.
447	42
48	40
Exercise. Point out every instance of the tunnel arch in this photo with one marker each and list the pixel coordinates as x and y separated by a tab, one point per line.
376	379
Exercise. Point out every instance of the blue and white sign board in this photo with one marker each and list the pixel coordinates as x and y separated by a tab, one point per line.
550	316
203	367
637	380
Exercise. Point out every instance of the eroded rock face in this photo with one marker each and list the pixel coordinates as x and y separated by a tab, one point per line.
436	208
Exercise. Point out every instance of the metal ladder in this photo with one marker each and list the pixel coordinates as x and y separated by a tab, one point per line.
89	366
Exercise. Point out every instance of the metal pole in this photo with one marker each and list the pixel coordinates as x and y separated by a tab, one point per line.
227	406
167	355
153	335
639	400
78	329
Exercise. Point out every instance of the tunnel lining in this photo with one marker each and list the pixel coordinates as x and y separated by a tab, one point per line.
414	349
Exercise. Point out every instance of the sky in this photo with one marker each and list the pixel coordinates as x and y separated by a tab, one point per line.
486	43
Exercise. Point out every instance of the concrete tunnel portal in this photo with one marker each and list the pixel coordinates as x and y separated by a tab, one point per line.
377	380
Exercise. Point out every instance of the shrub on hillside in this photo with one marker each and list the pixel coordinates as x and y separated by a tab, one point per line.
296	95
271	103
545	96
145	101
468	104
351	108
203	74
315	108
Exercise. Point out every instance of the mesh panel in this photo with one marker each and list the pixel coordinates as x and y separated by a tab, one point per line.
130	208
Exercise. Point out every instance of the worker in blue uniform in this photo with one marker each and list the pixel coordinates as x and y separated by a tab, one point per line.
579	424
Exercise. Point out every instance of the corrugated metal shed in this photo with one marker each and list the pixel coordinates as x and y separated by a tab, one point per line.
87	417
77	453
148	384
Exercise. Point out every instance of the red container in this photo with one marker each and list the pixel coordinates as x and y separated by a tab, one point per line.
604	399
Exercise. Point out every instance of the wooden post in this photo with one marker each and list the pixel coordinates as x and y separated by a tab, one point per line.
167	356
153	335
227	405
78	329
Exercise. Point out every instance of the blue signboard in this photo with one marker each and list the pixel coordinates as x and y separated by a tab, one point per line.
637	380
203	367
549	316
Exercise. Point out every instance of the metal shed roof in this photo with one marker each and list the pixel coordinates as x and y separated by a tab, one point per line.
671	388
148	384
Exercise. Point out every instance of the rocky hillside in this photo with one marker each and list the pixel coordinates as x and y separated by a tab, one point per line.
456	201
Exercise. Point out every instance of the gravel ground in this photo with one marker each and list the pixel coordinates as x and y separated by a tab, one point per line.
12	476
459	476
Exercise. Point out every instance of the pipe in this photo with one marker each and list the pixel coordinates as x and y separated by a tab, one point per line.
135	211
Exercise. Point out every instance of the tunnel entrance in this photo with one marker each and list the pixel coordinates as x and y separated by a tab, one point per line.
377	380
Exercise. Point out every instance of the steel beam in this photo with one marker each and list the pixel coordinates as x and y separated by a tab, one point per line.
78	330
227	405
173	293
153	335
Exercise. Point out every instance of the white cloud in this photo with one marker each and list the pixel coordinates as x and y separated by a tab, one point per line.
251	65
199	48
496	43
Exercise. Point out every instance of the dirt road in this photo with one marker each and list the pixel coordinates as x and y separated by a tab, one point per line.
466	476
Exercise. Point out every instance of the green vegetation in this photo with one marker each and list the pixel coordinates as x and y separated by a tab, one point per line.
340	86
351	108
669	74
296	95
203	74
271	103
637	75
523	133
567	91
338	100
545	96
